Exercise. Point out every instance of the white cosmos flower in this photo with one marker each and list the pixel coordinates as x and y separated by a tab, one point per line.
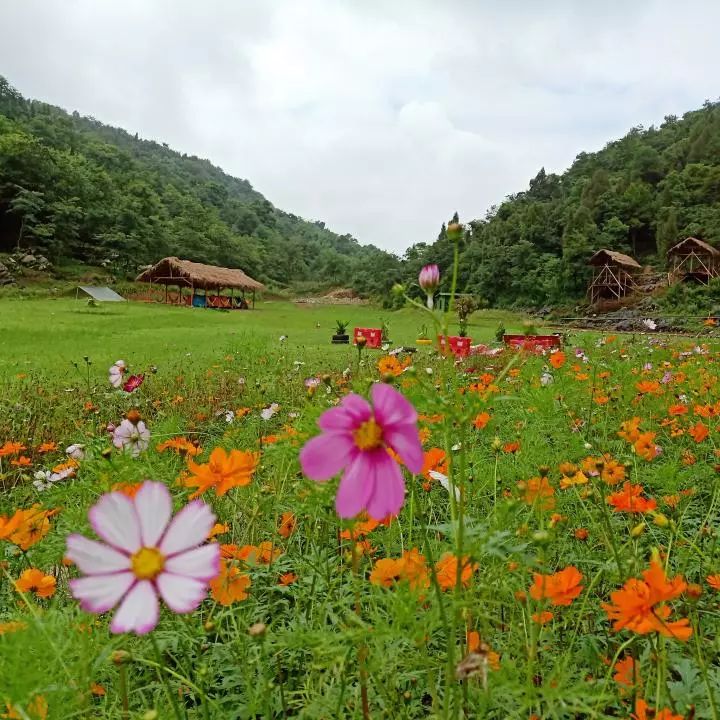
268	412
444	480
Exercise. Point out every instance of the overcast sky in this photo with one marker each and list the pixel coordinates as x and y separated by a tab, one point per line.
380	117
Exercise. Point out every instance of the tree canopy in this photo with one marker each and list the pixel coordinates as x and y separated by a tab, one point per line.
77	189
639	195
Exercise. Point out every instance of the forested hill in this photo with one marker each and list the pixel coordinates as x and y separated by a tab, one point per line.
638	195
77	189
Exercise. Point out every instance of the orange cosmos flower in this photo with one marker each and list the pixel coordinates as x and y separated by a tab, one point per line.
390	365
387	572
476	645
630	429
628	500
645	446
644	712
434	459
22	461
538	490
578	478
541	618
288	523
415	570
8	525
511	447
557	359
36	582
218	529
714	582
222	472
47	447
287	579
230	586
446	571
560	588
640	606
129	489
37	709
646	387
627	673
581	534
360	528
11	448
180	445
481	420
699	431
33	526
678	409
612	472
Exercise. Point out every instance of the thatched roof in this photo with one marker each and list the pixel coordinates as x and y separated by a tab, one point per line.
692	243
610	257
173	271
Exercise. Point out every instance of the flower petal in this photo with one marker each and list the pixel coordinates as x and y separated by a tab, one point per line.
405	441
95	558
100	593
181	594
202	563
388	488
189	528
352	411
154	508
356	485
114	519
138	612
326	455
391	407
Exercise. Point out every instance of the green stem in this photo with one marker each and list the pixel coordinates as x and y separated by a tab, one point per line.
163	678
703	666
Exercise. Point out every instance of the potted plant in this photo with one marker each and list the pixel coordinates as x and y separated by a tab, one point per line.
531	340
422	338
340	337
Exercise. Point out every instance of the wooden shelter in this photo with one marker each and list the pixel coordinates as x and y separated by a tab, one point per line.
693	260
613	275
195	277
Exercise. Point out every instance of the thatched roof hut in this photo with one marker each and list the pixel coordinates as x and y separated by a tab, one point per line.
613	275
693	260
610	257
184	273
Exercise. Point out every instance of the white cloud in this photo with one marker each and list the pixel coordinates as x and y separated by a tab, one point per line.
379	118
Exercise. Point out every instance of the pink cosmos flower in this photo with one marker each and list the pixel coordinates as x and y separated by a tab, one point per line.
132	437
133	383
116	372
356	438
144	555
429	281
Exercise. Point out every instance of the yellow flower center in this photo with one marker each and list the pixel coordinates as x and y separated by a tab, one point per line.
369	435
147	563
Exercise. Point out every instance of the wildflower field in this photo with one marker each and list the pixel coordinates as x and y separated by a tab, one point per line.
199	519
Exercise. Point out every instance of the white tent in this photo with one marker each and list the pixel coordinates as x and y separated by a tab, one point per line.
101	294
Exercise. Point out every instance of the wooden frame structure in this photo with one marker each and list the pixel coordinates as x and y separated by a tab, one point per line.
693	260
613	275
184	274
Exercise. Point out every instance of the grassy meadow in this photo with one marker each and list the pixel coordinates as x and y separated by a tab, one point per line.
556	556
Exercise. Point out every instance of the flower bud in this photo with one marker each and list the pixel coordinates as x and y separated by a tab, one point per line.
134	416
660	520
257	629
638	530
454	231
398	289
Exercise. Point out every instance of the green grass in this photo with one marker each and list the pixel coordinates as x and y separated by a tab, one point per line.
51	334
333	630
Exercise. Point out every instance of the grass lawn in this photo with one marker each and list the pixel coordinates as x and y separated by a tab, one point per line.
51	334
548	541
